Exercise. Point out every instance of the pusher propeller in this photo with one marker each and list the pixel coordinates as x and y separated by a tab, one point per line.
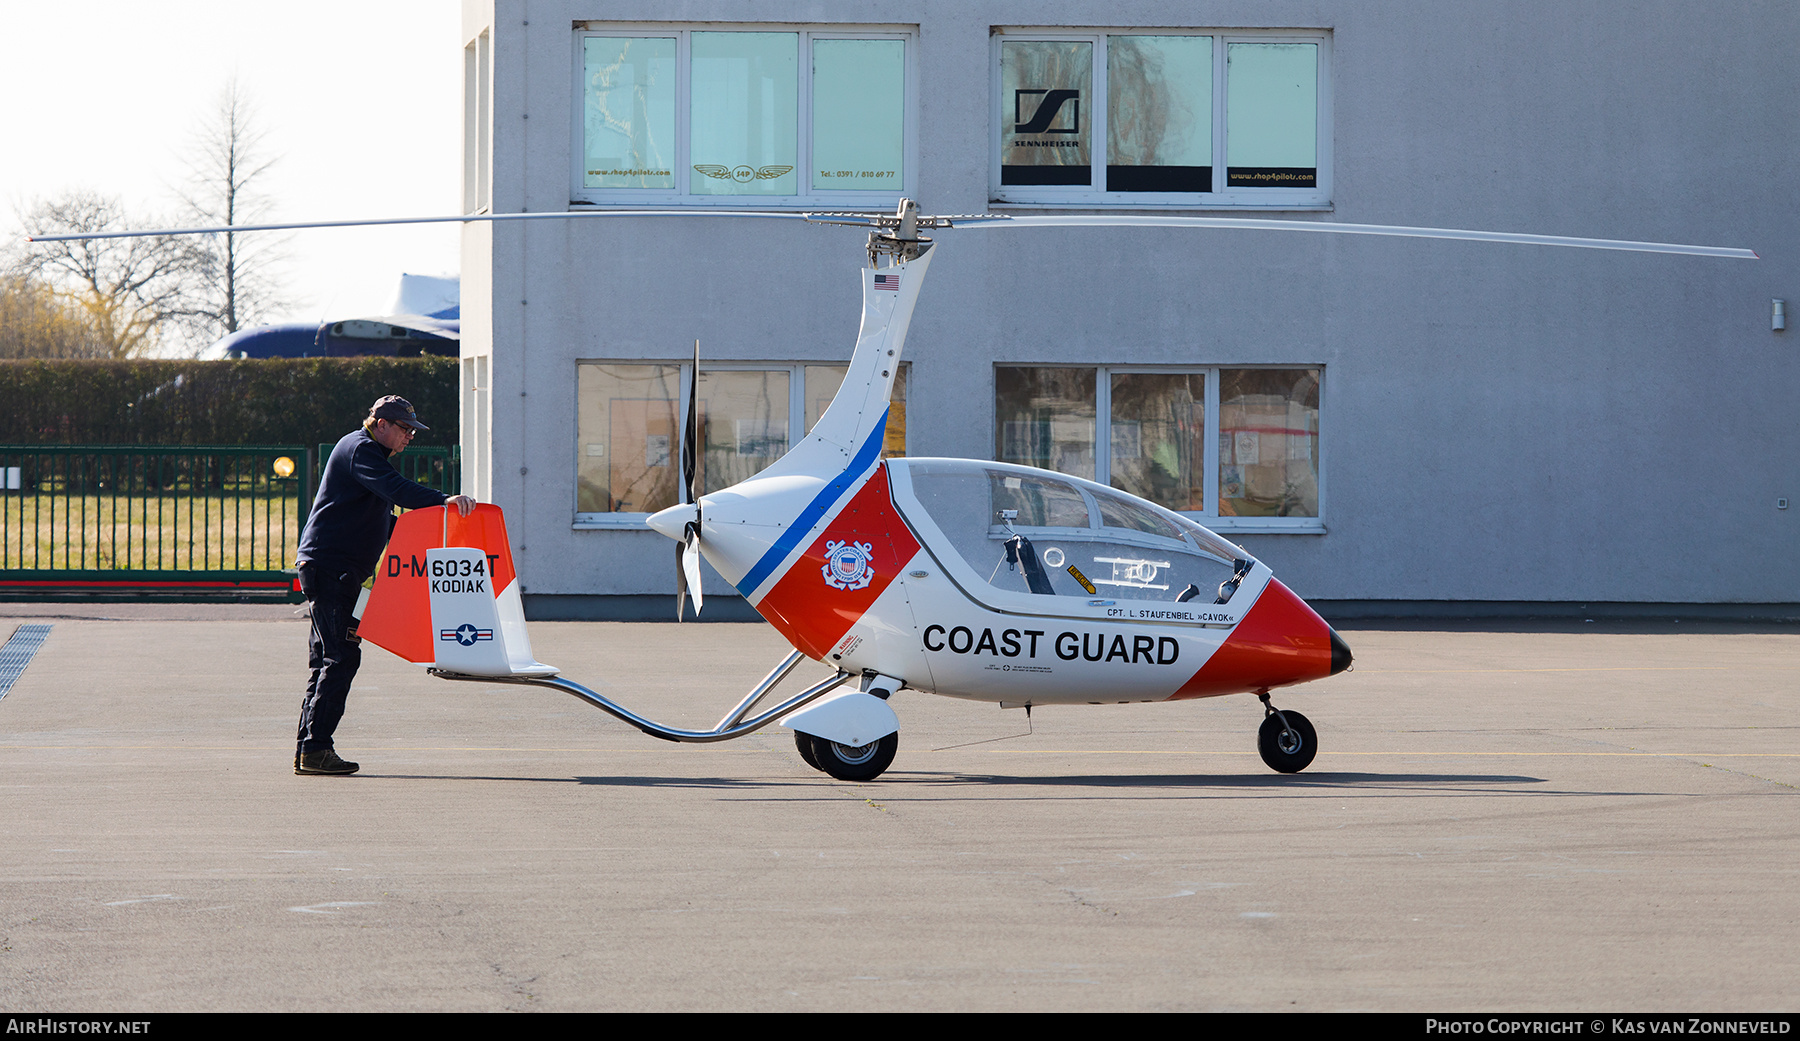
687	549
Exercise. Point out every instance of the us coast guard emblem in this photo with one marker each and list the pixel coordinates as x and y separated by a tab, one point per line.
847	564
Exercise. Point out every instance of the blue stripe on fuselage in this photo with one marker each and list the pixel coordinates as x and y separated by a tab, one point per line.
825	500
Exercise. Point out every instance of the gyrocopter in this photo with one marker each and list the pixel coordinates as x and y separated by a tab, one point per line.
972	579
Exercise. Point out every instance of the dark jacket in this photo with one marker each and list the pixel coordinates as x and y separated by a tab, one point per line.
353	514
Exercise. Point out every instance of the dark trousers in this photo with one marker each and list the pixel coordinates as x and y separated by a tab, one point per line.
332	652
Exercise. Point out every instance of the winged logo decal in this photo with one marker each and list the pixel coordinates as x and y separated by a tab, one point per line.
741	174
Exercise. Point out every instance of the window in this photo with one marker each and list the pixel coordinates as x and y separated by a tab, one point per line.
628	428
751	117
1144	119
1236	446
478	69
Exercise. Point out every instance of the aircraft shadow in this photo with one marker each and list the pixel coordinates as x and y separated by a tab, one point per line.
918	784
904	779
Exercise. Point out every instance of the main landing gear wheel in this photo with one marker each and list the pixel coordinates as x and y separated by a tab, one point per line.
854	763
1286	746
803	742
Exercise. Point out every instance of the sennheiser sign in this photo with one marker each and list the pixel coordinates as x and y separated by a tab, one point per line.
1046	106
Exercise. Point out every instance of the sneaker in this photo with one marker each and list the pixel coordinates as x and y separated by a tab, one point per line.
326	762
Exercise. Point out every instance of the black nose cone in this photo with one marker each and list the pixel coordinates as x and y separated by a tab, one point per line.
1340	654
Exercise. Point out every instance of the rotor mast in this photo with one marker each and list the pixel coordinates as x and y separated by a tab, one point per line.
898	236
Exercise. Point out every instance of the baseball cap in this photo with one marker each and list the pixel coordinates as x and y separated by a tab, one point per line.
396	409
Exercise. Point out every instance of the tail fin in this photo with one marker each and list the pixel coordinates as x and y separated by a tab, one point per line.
446	595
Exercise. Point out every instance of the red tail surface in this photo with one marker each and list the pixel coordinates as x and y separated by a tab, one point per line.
398	616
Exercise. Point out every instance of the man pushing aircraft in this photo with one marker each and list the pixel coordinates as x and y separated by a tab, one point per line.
351	519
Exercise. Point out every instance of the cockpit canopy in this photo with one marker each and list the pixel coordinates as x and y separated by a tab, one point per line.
1024	530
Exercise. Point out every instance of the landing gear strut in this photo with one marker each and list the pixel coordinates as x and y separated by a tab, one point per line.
1286	739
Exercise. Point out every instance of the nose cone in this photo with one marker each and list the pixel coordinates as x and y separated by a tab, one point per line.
673	521
1280	641
1340	654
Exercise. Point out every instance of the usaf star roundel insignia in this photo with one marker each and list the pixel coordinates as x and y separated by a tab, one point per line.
466	634
847	564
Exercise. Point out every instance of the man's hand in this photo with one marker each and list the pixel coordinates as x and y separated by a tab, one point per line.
464	505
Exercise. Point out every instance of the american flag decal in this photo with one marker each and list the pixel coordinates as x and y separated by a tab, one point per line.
889	282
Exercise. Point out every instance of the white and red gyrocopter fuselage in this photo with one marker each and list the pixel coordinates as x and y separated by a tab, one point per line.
966	578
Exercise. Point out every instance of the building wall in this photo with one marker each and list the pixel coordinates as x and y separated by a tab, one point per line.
1498	423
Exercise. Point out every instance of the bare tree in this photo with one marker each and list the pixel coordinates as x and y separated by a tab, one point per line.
225	172
132	291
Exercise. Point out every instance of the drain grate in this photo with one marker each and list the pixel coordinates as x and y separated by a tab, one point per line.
17	653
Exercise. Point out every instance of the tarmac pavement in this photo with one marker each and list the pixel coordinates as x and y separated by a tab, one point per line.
1559	818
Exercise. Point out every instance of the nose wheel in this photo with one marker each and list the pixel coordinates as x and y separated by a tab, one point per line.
1286	739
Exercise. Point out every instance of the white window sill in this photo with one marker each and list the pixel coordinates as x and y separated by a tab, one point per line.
1261	525
759	203
617	522
1272	206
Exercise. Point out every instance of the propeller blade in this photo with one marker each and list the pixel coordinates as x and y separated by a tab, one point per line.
691	435
1330	228
690	567
687	551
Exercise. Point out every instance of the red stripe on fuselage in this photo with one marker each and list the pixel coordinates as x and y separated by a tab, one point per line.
811	611
1281	641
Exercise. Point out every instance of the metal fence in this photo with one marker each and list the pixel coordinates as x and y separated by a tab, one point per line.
169	521
434	467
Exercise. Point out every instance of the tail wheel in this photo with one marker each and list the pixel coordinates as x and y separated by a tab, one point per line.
803	742
855	762
1287	747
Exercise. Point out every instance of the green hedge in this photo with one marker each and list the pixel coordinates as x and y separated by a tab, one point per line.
275	401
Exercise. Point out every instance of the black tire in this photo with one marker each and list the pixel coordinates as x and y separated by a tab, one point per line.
847	763
803	742
1278	746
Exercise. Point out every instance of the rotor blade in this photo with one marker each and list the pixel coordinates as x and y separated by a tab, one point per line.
680	583
467	218
690	565
974	222
1329	228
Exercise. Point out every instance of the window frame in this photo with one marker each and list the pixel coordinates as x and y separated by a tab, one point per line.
1222	197
796	371
1209	517
806	196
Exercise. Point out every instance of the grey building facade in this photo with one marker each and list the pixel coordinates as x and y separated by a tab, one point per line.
1392	424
